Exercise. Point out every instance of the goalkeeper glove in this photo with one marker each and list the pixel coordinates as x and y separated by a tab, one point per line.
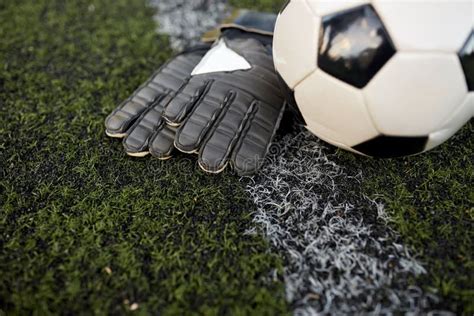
225	106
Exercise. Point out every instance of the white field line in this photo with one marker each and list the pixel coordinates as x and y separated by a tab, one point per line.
185	21
341	257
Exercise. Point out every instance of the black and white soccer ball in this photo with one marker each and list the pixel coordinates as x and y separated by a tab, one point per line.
379	77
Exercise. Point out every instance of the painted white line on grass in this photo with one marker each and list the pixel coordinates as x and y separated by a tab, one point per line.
341	256
185	21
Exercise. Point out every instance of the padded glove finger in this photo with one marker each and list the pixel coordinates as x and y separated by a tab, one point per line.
140	116
162	142
184	100
136	141
257	135
224	134
241	136
213	99
120	120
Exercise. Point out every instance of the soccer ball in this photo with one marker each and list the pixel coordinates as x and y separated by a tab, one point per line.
384	78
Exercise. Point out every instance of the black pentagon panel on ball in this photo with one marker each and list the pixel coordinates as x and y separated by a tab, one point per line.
467	60
392	147
354	45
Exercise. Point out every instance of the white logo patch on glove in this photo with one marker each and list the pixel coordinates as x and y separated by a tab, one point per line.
221	59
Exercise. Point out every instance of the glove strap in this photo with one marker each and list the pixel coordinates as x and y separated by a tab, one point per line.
247	21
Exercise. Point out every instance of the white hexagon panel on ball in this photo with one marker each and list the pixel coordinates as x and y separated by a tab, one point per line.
327	7
414	93
335	111
427	25
295	42
453	123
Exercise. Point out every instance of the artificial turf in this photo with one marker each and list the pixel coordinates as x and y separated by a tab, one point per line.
84	229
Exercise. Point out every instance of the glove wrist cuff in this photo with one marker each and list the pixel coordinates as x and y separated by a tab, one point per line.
252	22
245	29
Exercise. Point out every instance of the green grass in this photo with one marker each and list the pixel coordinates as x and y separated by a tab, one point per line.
85	229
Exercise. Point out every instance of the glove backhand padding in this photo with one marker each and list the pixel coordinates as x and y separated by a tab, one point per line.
225	105
230	116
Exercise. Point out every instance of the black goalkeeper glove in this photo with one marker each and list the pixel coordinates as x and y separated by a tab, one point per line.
227	108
